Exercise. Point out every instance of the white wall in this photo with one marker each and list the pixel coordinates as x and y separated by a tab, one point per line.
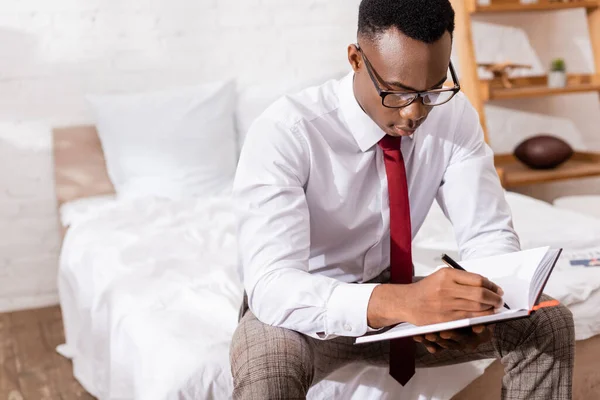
53	52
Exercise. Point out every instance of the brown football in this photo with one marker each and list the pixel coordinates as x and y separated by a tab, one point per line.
543	152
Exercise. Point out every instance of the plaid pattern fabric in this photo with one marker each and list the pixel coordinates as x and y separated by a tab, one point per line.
537	354
275	363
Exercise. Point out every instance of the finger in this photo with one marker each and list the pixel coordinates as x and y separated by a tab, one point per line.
454	335
469	305
460	339
464	340
450	344
479	329
485	335
418	339
471	314
432	337
470	279
477	294
432	348
446	334
436	339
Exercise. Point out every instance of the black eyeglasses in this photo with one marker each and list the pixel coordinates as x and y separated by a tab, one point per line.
397	99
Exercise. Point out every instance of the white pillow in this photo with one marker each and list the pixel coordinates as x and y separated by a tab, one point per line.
254	99
173	143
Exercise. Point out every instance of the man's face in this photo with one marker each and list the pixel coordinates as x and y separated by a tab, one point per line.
399	63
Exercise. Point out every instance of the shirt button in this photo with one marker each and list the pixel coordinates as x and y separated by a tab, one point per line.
347	327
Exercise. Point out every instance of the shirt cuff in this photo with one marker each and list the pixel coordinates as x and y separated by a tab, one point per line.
347	309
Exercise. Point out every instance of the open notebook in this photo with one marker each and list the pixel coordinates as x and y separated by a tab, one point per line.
522	276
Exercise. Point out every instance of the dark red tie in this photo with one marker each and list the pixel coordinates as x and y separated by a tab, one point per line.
402	351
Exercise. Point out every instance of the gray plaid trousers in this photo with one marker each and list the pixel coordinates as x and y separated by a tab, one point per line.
275	363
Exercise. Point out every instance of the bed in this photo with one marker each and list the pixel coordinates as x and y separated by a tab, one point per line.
150	290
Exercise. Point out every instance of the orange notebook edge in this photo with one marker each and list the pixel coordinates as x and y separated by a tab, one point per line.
545	304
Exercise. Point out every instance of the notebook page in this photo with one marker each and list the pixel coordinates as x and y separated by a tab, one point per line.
541	275
538	278
513	272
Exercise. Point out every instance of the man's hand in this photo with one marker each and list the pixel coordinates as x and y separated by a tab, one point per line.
459	339
447	294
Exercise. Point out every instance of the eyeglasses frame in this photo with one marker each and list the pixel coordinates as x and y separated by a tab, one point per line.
384	93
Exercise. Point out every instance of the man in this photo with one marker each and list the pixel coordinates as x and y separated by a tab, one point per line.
332	185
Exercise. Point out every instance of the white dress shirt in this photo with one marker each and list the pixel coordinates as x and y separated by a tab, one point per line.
312	192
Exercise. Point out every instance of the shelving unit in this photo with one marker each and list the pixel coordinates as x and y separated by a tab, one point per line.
511	171
537	86
511	6
514	173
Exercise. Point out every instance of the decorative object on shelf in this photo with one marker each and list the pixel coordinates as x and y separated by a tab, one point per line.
528	1
484	2
501	70
543	152
557	77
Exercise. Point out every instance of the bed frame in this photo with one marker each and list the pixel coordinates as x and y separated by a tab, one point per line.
79	165
80	171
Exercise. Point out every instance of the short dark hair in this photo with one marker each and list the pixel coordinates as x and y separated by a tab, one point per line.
423	20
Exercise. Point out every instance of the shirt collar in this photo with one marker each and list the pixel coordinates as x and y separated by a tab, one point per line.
365	131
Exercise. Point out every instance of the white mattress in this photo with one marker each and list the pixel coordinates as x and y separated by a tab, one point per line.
150	293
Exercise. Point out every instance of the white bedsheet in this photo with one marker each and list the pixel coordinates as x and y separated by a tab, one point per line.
150	292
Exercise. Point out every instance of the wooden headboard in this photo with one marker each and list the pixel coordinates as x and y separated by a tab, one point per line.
79	166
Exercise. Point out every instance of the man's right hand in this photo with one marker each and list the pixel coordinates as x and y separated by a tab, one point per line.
450	294
445	295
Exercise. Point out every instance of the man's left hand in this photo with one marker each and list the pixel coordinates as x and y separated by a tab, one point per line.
458	339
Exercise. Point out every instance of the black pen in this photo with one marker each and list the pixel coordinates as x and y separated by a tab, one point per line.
451	263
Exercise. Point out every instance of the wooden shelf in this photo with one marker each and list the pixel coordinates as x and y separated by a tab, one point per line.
541	5
514	173
511	171
537	86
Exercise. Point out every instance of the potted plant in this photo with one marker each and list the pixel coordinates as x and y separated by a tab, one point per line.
557	77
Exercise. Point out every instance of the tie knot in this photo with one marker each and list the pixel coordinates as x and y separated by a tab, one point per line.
388	143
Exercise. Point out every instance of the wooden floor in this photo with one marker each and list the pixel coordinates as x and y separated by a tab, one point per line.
31	369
